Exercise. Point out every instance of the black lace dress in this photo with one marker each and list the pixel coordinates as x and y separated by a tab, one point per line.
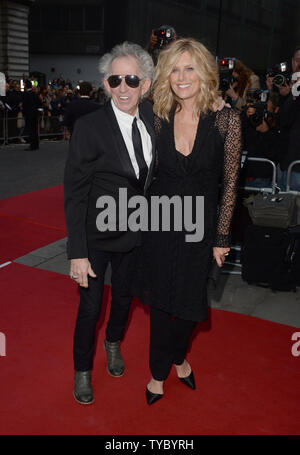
176	270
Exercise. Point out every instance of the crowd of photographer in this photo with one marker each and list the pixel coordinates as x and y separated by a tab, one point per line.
34	110
270	111
269	107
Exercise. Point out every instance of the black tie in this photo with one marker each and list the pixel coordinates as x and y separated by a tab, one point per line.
139	155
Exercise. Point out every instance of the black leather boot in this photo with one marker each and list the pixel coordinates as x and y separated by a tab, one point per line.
115	363
83	392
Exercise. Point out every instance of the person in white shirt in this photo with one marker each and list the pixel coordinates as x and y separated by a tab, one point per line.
111	148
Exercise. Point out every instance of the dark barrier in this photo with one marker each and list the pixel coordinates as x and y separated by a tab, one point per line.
52	126
289	174
2	129
13	129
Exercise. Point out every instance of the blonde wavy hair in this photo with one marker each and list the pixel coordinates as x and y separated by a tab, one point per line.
206	67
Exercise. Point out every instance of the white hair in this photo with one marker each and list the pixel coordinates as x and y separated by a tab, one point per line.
126	49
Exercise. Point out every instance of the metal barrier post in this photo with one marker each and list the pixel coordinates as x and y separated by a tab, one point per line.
5	128
2	135
265	190
51	126
272	190
288	177
48	127
12	130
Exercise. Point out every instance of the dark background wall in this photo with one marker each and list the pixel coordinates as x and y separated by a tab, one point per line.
259	32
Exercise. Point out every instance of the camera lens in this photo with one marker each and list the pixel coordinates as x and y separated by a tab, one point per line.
279	80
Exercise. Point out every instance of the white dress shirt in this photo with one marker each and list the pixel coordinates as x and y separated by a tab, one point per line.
125	123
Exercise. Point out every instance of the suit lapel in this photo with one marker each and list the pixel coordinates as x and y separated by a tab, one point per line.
149	126
121	148
119	142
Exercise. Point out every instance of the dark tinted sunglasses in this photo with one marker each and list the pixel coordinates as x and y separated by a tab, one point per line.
131	80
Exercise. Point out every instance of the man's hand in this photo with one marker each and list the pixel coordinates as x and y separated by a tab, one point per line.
284	90
263	127
231	92
79	271
219	254
250	111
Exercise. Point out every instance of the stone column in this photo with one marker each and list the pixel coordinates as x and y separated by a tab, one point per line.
14	51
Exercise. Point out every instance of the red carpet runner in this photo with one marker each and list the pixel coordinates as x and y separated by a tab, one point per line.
30	221
247	379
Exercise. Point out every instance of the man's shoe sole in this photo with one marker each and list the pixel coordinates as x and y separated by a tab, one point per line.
82	402
113	375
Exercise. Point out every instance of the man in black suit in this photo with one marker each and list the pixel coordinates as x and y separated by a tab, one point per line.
111	149
81	106
30	107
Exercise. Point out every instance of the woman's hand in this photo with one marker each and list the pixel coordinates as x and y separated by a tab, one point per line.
231	92
79	271
219	254
219	104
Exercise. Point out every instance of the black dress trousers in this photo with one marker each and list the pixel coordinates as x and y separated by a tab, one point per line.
91	300
33	132
169	342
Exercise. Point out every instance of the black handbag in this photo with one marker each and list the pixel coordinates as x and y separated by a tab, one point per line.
272	210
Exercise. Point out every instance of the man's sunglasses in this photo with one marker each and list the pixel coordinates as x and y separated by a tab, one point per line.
131	80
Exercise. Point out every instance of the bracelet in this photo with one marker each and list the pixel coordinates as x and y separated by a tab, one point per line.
234	101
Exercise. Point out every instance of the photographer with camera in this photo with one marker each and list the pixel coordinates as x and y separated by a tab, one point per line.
243	79
281	79
260	139
159	39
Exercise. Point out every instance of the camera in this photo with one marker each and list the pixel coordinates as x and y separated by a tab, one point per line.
257	99
165	34
280	73
226	66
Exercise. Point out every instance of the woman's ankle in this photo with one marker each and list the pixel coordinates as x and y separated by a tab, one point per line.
184	369
155	386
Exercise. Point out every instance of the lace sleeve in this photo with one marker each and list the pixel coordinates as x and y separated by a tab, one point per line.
157	128
229	125
157	124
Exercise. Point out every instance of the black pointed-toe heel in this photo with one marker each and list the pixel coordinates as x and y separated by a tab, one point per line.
153	397
189	381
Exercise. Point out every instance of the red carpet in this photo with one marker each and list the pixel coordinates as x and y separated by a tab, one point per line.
247	379
30	221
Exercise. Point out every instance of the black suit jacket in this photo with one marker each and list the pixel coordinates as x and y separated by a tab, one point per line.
78	108
98	164
30	104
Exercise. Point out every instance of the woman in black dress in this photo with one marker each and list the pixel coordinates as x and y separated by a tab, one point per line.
197	149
